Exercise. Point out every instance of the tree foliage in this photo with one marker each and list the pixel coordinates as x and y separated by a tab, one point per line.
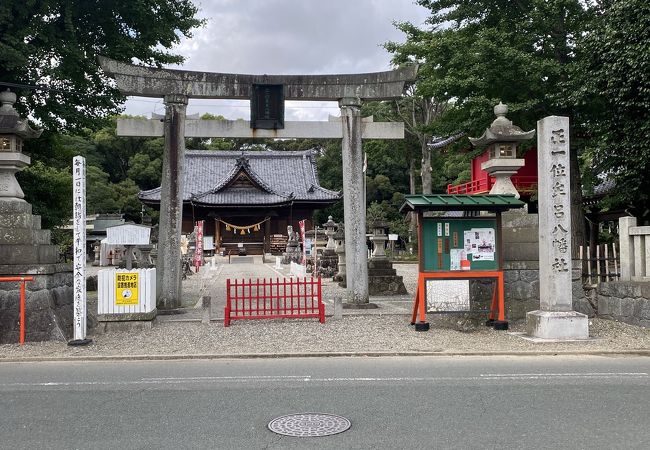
476	53
56	42
49	190
611	89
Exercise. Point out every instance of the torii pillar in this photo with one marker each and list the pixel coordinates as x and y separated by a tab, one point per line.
168	273
354	203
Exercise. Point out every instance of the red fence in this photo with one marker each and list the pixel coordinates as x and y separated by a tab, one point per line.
473	187
274	299
523	183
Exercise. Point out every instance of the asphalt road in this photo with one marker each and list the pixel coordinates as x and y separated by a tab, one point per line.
396	403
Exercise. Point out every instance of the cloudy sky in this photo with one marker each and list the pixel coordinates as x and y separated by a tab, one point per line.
288	37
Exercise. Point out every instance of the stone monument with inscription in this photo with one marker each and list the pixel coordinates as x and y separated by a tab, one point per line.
26	249
555	319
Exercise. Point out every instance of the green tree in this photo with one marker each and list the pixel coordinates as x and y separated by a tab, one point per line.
100	193
56	42
49	190
478	52
611	88
114	153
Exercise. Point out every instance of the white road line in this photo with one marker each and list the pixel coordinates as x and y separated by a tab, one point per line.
580	374
252	377
310	379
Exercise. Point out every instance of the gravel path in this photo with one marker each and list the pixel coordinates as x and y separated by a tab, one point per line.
382	331
364	334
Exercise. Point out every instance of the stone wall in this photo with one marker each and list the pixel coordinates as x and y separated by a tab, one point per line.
625	301
25	249
48	306
521	268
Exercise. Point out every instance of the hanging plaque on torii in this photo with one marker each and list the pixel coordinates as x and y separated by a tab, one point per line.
267	106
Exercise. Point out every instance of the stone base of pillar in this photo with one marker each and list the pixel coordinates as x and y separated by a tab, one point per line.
569	325
360	306
383	279
328	263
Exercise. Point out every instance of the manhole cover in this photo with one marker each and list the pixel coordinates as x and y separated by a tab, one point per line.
309	425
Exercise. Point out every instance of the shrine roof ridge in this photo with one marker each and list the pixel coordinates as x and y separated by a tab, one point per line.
157	82
451	202
276	177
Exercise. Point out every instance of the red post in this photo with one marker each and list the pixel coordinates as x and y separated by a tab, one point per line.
22	312
321	306
226	316
493	306
500	289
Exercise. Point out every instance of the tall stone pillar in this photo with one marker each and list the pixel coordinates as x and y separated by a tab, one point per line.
168	264
555	319
354	203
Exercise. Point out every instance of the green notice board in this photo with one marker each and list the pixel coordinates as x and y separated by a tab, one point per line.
460	244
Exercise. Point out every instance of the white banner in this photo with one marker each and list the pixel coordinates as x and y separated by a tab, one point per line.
79	245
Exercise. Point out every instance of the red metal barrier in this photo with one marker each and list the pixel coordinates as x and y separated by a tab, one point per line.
274	299
22	281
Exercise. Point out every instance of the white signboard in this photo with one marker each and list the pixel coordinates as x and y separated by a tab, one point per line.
128	234
393	237
79	246
208	242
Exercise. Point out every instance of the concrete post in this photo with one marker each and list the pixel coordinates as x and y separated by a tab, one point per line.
354	207
555	319
626	247
171	204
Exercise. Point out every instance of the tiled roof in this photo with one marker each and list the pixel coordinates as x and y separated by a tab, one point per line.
277	177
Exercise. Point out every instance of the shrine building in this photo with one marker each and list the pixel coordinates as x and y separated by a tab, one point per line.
248	196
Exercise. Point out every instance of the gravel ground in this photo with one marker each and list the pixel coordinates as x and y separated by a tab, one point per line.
373	332
356	334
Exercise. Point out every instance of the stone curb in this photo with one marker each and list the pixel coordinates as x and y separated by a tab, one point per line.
639	352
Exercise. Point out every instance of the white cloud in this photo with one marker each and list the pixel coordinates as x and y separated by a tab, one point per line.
289	37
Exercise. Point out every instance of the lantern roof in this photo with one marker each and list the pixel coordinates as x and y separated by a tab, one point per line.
330	223
10	121
502	130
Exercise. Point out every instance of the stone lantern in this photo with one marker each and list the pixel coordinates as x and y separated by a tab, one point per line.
502	138
330	230
339	240
379	238
13	131
329	260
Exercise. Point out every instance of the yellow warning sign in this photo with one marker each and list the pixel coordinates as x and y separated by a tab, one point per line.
126	288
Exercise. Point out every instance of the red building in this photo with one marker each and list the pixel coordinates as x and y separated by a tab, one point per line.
525	181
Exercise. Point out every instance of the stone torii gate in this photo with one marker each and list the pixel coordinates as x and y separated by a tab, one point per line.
177	86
